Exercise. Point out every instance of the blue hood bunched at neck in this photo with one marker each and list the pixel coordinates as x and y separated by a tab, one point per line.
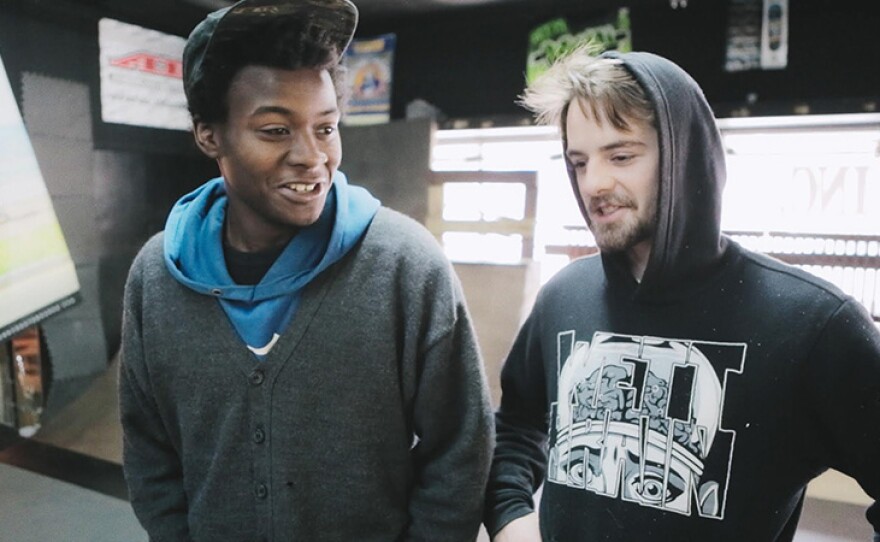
194	256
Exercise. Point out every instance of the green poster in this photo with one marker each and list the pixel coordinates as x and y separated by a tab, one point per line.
556	38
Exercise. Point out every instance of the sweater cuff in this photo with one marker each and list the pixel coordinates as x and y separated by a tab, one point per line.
511	514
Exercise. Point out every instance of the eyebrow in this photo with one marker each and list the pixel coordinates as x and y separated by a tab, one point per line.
270	109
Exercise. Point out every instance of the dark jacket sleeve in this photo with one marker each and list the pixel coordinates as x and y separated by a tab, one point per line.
842	381
520	457
151	464
452	418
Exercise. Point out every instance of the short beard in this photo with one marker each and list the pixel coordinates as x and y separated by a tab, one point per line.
621	237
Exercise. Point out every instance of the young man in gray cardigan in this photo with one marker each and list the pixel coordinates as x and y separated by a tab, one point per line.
297	362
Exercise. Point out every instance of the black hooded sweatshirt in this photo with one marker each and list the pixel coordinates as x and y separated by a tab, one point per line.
698	403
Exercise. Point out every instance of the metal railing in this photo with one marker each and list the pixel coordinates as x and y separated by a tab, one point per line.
851	262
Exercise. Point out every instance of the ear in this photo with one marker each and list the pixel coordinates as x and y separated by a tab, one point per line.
207	136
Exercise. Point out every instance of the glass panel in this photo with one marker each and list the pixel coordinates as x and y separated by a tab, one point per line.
516	155
461	201
469	247
484	201
455	157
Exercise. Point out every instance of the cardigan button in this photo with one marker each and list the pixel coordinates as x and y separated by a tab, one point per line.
257	377
259	435
261	491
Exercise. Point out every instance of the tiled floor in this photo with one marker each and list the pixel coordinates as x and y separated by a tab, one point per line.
38	508
66	484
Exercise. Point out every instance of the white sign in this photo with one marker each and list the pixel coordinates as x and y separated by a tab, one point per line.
832	194
37	275
141	77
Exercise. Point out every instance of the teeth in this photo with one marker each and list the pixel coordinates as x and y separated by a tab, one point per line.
300	187
607	209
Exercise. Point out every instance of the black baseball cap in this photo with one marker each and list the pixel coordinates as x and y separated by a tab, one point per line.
330	21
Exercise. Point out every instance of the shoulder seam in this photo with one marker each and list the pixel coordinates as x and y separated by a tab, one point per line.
840	295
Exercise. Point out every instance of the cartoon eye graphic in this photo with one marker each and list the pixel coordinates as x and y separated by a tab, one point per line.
576	467
649	487
576	473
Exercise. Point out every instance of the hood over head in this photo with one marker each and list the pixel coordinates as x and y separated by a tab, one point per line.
687	242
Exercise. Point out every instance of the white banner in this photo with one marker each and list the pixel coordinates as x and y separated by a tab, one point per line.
141	77
37	274
832	194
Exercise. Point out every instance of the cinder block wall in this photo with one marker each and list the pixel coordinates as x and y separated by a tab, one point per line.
58	118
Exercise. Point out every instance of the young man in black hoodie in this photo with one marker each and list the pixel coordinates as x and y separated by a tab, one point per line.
677	386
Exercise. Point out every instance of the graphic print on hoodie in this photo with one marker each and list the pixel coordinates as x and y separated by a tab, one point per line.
260	313
637	418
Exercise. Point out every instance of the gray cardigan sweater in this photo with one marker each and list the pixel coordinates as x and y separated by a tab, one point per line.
369	420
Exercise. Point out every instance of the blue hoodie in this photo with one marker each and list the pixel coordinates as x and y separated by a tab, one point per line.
194	256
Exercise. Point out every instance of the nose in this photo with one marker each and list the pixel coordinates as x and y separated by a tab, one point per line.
306	151
594	180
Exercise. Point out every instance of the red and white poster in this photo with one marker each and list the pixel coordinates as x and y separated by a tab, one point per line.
141	77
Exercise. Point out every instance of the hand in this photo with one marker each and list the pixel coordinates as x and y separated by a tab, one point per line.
524	529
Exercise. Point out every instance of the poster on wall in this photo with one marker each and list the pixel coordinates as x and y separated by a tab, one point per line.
774	35
743	50
556	38
141	77
370	64
37	275
757	35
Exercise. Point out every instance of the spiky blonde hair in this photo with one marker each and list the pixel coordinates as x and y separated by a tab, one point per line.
602	86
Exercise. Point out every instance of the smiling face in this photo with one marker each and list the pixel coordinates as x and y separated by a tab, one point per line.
277	151
618	179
